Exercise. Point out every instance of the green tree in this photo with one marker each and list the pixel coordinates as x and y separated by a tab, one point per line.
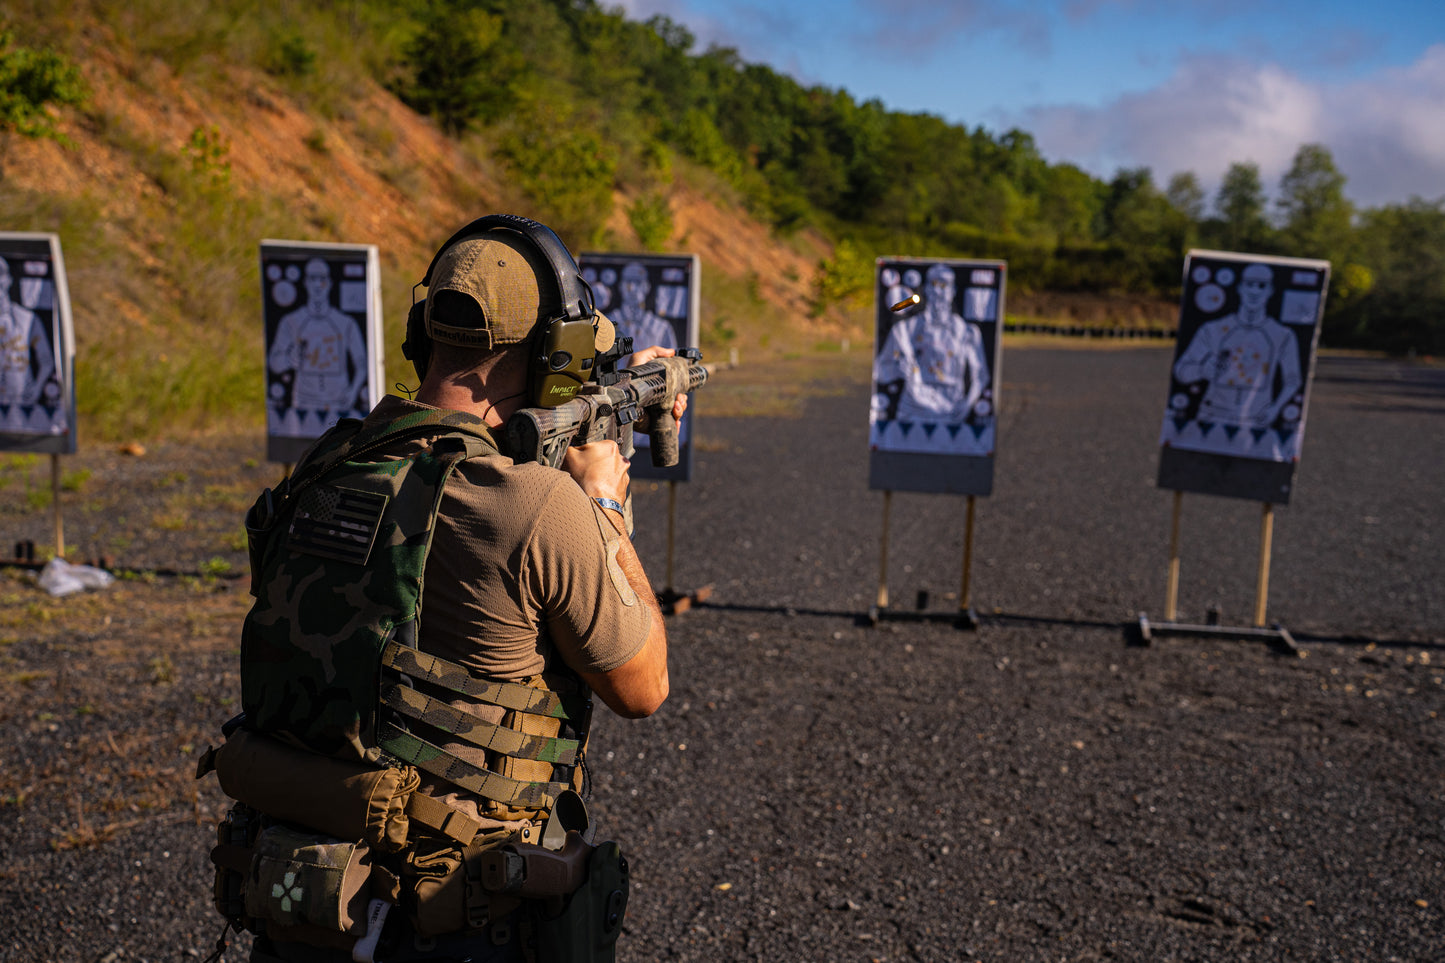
1240	205
1186	199
1316	214
460	73
1137	222
651	217
568	172
1186	196
844	279
1404	307
1072	203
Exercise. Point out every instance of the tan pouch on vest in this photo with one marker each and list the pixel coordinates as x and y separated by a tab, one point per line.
348	800
529	770
444	883
304	879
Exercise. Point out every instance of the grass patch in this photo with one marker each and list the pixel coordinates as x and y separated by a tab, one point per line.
213	568
172	521
1014	341
74	481
163	670
782	388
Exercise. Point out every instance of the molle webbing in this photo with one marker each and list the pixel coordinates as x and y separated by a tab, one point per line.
418	752
411	748
475	730
449	675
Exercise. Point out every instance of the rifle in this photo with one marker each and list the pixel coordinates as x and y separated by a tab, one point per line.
608	407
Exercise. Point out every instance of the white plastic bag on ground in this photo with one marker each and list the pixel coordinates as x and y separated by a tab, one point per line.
59	577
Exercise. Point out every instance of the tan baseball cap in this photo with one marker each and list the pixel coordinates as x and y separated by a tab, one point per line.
499	271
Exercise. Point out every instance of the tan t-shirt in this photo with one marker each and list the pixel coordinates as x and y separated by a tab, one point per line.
522	571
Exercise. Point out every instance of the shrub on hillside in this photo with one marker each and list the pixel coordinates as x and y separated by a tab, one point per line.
31	81
567	172
459	71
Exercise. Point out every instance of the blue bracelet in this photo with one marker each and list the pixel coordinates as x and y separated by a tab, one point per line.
611	503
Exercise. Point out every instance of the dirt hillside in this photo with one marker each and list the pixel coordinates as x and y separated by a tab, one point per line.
369	171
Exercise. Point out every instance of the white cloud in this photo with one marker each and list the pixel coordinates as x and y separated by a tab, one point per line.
1386	131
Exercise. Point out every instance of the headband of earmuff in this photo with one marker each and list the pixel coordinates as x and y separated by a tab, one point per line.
562	353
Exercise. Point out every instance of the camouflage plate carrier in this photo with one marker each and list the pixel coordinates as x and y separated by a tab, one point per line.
329	665
328	651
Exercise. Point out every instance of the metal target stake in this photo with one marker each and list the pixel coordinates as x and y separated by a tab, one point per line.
55	496
965	617
882	602
672	601
965	591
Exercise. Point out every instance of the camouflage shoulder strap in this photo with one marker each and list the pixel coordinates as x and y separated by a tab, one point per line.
350	440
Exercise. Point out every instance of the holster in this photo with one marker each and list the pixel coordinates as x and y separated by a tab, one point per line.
455	888
583	927
532	872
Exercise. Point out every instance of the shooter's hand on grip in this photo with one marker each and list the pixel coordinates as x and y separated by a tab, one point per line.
599	468
659	420
679	404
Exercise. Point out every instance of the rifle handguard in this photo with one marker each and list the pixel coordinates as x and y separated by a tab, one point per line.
598	412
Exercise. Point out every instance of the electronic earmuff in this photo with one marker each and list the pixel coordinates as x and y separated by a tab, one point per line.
562	349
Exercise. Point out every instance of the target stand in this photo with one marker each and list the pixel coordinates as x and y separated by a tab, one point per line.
964	618
1276	635
671	601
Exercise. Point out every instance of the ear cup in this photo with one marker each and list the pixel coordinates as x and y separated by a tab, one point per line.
563	350
417	346
563	355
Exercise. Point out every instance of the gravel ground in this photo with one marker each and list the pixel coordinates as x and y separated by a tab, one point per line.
817	788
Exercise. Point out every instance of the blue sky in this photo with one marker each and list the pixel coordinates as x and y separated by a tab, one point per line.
1106	84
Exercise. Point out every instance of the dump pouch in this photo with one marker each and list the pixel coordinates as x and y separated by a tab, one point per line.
304	879
587	927
348	800
445	886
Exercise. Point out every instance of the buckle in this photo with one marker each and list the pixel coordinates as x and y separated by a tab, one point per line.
465	829
475	903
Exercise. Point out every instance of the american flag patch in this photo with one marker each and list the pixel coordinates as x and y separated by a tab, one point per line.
337	523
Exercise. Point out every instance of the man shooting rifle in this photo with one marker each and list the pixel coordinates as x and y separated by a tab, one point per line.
534	599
